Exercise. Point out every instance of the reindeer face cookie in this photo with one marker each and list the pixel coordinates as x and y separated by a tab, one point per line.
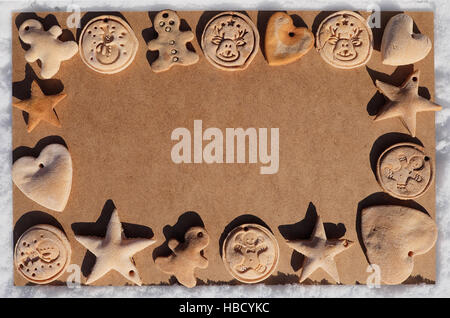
171	42
46	47
108	44
404	171
42	254
250	253
230	41
345	40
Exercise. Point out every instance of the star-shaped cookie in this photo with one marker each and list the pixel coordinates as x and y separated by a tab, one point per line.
319	252
114	251
40	107
405	102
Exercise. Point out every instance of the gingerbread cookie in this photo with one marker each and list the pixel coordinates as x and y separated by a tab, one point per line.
284	43
42	254
46	179
404	171
250	253
108	44
230	41
186	256
345	40
46	47
171	42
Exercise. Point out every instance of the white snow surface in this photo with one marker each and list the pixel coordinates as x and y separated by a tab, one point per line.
441	9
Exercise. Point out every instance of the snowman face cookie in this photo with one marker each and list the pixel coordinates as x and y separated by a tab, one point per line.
171	42
230	41
108	44
42	254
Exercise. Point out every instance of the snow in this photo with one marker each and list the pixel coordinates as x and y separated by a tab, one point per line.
442	56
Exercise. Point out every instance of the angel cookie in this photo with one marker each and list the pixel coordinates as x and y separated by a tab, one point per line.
46	47
186	256
171	42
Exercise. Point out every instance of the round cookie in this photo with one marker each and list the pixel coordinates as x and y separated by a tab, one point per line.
230	41
404	171
250	253
108	44
42	254
345	40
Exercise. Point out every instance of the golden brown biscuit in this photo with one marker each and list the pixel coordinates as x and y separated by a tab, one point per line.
284	43
40	107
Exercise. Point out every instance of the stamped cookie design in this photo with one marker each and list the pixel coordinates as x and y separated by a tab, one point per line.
108	44
42	254
250	253
345	40
404	171
186	256
171	42
230	41
46	47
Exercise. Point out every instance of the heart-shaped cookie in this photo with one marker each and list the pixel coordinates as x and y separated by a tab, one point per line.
284	42
46	179
393	236
400	45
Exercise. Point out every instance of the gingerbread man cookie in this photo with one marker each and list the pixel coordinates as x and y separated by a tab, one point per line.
171	42
250	253
46	47
186	256
405	171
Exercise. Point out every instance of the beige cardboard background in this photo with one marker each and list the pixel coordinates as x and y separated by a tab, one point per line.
117	128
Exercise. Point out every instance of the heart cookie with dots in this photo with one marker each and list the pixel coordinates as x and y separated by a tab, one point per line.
400	45
47	179
284	42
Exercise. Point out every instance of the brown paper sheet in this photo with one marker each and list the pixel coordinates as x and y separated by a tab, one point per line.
118	127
